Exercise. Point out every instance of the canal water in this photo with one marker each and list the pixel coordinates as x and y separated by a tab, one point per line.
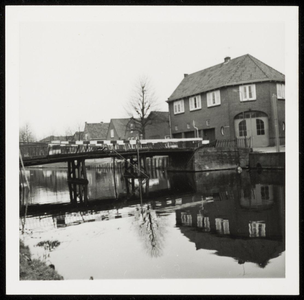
188	225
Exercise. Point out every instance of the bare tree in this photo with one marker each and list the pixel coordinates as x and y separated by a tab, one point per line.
142	102
26	135
68	133
151	229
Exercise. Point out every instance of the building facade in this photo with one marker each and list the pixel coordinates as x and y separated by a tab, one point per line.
237	99
156	127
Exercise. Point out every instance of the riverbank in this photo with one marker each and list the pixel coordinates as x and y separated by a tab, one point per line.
35	269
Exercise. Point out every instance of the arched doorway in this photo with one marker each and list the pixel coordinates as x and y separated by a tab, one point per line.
254	125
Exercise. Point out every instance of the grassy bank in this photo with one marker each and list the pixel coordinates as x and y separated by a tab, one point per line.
34	269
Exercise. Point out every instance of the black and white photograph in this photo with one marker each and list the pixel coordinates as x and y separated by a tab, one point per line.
152	150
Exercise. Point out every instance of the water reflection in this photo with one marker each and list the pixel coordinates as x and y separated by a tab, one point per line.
238	216
151	229
242	218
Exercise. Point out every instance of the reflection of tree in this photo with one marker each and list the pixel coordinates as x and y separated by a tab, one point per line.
151	230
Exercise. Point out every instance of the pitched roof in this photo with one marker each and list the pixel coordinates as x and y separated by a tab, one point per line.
79	135
120	126
160	115
243	69
57	138
97	130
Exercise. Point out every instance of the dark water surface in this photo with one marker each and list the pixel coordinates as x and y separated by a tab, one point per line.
190	225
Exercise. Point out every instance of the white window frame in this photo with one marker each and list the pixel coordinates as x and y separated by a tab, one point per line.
213	98
193	105
280	90
178	107
245	92
112	133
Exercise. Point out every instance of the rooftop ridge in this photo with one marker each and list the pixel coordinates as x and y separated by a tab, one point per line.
244	68
236	69
217	65
253	58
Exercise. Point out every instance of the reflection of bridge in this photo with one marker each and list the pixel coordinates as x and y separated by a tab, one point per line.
133	152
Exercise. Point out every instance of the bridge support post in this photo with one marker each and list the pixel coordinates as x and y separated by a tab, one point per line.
77	181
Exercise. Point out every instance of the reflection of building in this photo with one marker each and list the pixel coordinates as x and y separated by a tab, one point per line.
230	100
249	229
260	196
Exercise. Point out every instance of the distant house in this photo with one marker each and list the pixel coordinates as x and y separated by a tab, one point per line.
57	138
78	136
158	125
119	130
95	131
231	100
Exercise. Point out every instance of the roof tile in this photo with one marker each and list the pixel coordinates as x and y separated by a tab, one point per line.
243	69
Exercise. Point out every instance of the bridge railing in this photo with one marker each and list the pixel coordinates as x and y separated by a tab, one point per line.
66	147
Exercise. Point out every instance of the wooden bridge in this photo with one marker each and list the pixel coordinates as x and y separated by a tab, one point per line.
132	152
64	151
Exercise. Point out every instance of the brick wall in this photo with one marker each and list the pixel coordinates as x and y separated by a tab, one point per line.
209	159
223	115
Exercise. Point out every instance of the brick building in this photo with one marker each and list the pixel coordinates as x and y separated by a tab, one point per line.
231	100
157	127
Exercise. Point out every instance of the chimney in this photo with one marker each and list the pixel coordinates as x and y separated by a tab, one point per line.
185	75
227	59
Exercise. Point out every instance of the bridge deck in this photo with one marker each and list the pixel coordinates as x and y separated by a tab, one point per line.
56	158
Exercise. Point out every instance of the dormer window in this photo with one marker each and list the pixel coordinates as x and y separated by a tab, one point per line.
247	92
280	90
178	107
213	98
195	103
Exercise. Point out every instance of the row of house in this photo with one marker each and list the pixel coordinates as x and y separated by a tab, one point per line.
236	99
157	127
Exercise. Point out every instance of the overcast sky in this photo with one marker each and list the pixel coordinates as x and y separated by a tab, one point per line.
82	65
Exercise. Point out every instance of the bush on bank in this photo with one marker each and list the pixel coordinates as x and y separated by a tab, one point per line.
35	269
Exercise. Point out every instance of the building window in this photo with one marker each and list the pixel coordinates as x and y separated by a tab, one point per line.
257	229
222	226
283	126
213	98
260	127
186	218
265	192
247	92
188	126
280	90
222	130
176	128
207	122
243	128
203	222
178	107
131	126
195	103
112	133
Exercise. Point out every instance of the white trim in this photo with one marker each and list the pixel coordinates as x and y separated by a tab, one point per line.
213	98
245	91
178	107
192	101
280	90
